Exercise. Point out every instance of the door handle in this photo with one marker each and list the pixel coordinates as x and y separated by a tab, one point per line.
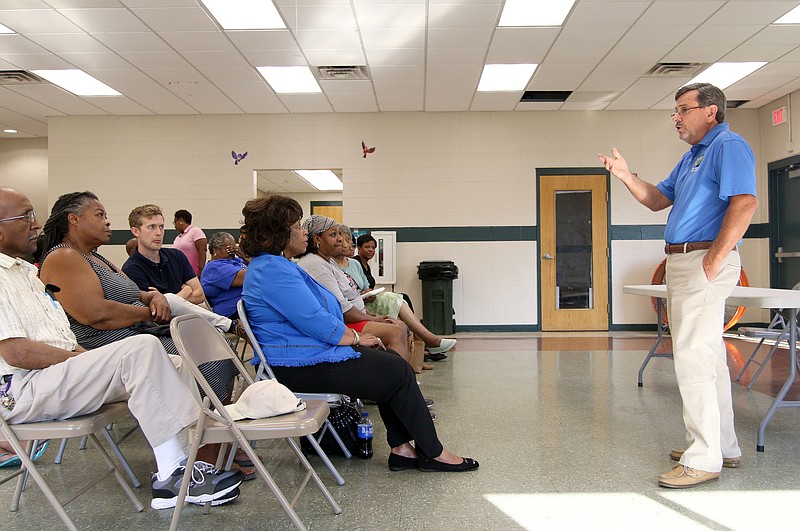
548	256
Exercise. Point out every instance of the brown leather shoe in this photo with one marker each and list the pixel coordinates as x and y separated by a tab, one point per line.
727	462
683	477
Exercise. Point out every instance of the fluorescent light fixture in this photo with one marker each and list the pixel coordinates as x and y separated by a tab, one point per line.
505	78
4	29
323	180
78	82
535	12
792	17
290	79
723	75
245	14
10	131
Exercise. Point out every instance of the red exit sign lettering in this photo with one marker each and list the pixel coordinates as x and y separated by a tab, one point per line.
779	116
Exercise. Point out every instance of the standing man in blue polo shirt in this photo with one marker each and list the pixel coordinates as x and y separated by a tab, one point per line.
151	266
712	192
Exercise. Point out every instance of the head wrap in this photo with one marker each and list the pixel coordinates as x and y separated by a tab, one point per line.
316	224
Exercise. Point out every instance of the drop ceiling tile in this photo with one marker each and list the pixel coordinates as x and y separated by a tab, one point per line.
400	95
660	12
455	15
353	102
395	56
276	58
68	43
768	53
646	92
159	3
132	42
156	60
560	76
397	72
89	61
777	35
175	79
525	37
16	44
320	39
210	59
516	54
25	105
37	61
355	86
177	19
252	97
604	36
211	101
781	68
394	38
458	38
637	54
37	21
669	35
794	55
584	106
760	83
455	72
593	97
538	106
156	98
592	14
117	76
305	103
751	12
198	41
387	16
335	57
696	54
119	106
232	75
70	4
319	17
495	101
577	54
58	99
263	40
710	35
456	56
105	20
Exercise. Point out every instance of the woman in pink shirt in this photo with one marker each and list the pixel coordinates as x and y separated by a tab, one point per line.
190	240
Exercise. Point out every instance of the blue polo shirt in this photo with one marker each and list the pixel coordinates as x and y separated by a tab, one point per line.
167	276
721	165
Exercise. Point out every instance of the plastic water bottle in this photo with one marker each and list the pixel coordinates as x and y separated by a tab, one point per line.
365	436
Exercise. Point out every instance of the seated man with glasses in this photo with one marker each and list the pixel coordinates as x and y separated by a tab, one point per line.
46	375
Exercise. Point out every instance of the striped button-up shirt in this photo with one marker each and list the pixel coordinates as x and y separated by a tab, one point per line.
27	311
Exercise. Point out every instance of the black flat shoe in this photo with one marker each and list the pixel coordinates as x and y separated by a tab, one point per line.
435	357
401	462
432	465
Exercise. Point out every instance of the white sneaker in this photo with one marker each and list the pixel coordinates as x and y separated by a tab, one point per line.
443	347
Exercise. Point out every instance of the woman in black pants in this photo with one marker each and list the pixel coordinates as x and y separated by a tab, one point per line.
299	325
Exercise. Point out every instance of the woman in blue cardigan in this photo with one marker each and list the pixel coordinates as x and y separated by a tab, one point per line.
299	325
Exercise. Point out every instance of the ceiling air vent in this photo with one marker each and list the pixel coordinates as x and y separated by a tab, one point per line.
342	73
19	77
675	69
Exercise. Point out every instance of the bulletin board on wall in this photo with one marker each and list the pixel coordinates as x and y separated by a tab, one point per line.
384	263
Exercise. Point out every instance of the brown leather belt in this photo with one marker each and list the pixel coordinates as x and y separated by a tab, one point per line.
682	248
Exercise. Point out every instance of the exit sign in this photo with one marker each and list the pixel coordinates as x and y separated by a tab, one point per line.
779	116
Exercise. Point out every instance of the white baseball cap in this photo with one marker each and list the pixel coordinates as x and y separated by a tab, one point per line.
266	398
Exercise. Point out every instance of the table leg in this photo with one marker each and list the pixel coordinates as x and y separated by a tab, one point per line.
779	402
660	326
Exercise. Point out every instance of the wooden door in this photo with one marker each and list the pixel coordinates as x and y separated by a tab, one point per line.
573	252
329	211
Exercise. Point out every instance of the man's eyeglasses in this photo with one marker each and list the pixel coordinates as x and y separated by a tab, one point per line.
30	216
683	111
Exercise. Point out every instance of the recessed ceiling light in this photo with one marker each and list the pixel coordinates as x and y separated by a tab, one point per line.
323	180
5	29
505	78
792	17
290	79
535	13
245	14
723	75
10	131
78	82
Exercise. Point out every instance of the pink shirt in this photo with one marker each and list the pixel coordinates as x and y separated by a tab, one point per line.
185	242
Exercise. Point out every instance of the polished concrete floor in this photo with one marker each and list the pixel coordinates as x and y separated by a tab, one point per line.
565	438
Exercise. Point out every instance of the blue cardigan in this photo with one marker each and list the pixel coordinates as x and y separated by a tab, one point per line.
296	320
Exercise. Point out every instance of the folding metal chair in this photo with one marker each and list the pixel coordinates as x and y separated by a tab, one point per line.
334	400
777	331
198	342
88	425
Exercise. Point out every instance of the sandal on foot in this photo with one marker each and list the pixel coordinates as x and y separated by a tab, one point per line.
11	461
432	465
400	462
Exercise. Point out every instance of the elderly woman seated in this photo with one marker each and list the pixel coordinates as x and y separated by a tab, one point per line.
102	304
300	326
324	243
388	303
223	276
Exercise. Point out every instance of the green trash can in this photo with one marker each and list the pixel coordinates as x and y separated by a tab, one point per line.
437	295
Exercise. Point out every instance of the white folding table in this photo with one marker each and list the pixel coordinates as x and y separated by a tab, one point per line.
775	299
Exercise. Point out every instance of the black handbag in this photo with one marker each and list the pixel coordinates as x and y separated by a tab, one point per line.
345	420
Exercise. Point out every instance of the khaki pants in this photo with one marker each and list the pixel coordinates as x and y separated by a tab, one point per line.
696	310
137	370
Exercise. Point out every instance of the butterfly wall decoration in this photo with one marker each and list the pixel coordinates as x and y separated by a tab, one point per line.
237	157
366	150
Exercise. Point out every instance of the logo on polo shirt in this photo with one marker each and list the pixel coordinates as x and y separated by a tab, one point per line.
698	160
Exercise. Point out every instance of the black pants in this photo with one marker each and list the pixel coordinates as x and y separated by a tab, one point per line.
377	375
